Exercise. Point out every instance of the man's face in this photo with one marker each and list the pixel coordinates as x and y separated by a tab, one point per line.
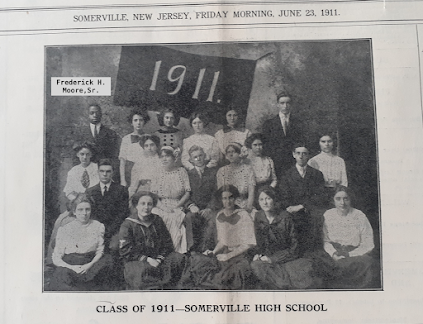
284	105
94	114
198	158
301	156
105	172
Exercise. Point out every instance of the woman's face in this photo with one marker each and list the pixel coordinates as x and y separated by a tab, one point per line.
257	147
342	201
150	148
232	155
197	125
228	200
169	119
326	144
83	212
167	160
232	118
84	156
144	206
266	202
137	122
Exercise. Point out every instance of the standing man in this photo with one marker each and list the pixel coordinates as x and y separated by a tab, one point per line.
106	142
303	196
280	133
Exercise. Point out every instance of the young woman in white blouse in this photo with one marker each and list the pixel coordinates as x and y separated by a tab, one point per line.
331	165
79	251
348	240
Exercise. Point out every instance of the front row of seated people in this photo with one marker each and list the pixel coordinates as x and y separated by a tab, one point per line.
176	237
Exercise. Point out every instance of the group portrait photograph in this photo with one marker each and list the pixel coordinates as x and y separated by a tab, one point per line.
230	166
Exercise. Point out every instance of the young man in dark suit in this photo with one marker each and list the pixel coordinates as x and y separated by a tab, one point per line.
281	133
110	203
303	196
105	141
110	207
203	186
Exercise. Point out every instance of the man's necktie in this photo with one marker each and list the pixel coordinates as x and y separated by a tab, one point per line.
105	191
95	132
85	179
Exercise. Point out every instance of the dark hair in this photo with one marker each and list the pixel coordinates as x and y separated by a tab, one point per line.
168	152
195	148
87	145
236	146
347	190
272	193
138	112
137	196
299	144
94	105
283	94
105	162
160	116
200	116
332	135
250	139
229	188
155	139
80	198
238	111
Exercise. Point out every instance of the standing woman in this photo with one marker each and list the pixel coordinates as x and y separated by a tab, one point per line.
263	167
79	251
233	131
207	142
239	175
348	240
130	150
227	265
331	165
276	262
171	184
146	247
168	133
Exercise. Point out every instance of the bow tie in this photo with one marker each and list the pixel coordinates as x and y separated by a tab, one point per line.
227	129
233	219
135	138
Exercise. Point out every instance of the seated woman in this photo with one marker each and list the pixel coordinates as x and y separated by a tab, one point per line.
331	165
276	262
130	150
171	184
233	131
207	142
348	240
227	265
239	175
79	252
146	166
146	247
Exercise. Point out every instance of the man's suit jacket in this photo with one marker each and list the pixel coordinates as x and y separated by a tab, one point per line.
308	191
110	209
106	144
202	188
278	146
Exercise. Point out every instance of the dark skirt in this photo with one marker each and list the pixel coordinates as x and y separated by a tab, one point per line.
206	272
65	279
296	274
140	275
347	273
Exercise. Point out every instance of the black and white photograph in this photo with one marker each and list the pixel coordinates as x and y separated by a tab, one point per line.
230	166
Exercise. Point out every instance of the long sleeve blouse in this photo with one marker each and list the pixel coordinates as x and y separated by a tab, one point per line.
352	230
276	240
74	179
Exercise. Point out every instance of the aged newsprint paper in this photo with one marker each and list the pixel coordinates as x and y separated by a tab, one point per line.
351	69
